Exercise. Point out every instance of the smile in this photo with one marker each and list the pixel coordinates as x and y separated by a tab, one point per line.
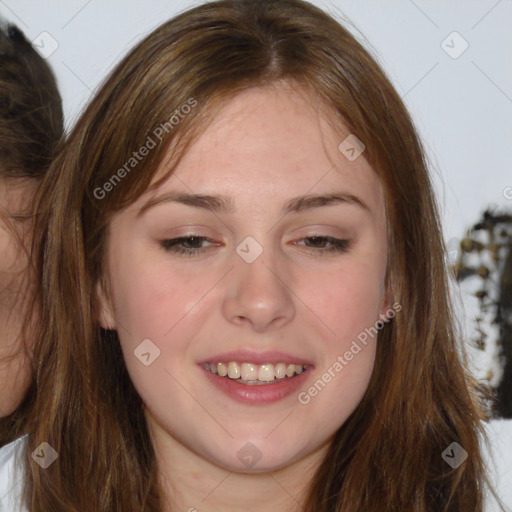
256	384
255	374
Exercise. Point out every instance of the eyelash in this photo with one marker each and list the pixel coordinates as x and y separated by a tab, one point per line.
170	245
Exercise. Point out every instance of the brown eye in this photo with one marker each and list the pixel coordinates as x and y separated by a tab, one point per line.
337	245
173	245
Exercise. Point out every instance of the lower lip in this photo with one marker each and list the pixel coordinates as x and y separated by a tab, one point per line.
263	394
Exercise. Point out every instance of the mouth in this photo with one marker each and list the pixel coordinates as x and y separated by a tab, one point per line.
251	374
253	383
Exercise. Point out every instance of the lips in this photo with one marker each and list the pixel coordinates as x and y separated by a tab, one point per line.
255	357
257	394
254	395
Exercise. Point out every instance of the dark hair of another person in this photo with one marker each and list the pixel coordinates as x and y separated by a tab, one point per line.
31	132
31	118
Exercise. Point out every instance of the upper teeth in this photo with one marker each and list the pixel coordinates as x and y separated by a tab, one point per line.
250	371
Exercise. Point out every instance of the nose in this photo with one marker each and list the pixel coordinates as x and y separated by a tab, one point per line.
259	295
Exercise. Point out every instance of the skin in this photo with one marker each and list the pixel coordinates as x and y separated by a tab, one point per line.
15	198
266	146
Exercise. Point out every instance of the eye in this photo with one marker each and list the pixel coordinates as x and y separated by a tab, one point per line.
173	245
337	245
194	243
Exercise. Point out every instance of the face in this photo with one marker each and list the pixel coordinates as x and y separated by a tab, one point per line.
257	285
15	235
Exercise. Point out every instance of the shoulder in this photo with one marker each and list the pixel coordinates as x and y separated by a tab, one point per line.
10	476
498	457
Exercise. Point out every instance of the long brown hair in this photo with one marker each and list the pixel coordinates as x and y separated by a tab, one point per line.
421	398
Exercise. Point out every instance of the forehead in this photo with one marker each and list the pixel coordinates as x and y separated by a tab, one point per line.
273	142
16	193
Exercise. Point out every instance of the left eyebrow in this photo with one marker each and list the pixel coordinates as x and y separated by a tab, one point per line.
225	204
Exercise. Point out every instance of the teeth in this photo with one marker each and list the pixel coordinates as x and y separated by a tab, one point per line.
233	370
222	369
280	370
248	372
266	372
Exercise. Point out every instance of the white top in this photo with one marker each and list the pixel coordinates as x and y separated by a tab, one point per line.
10	476
500	462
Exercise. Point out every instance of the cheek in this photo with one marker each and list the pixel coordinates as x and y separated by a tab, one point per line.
346	301
350	306
13	262
7	250
151	300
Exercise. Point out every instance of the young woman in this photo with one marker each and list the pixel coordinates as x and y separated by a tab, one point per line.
243	295
31	125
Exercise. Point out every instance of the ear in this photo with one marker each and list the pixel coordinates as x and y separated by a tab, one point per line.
105	310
